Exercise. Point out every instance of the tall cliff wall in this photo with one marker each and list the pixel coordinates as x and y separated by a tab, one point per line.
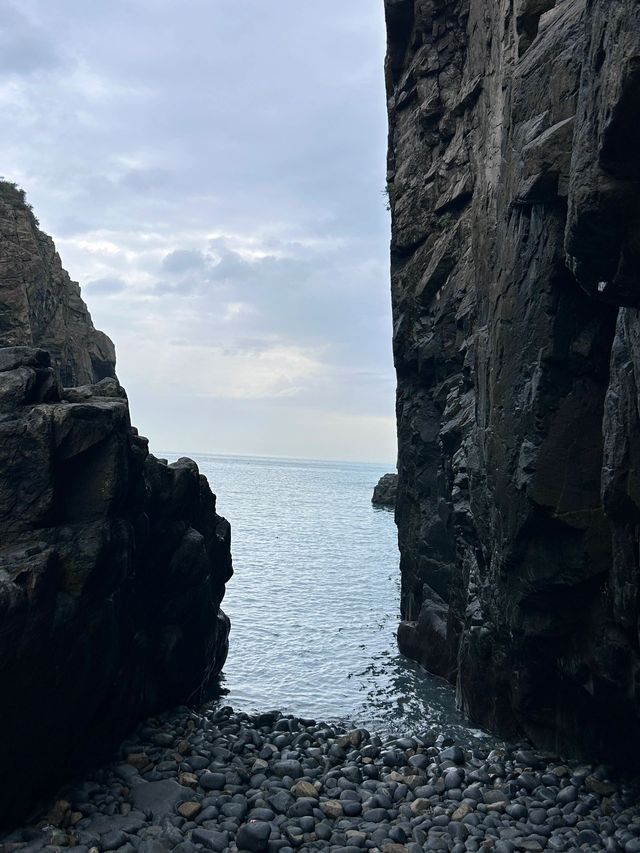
514	170
112	563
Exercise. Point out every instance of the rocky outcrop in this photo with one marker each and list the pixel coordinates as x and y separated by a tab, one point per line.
39	304
112	562
513	184
385	491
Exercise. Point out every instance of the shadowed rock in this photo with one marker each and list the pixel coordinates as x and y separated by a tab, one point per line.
513	176
384	494
112	563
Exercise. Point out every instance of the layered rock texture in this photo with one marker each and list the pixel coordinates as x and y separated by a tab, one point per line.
514	178
112	562
386	491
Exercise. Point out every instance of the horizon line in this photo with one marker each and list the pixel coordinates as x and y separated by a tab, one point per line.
393	465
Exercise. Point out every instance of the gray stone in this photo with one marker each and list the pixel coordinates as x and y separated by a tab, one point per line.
131	823
160	798
453	753
212	781
291	768
280	802
376	815
210	839
567	795
113	839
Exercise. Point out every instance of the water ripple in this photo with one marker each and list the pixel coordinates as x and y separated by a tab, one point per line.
314	602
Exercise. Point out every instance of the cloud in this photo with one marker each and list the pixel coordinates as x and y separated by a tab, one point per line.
184	260
146	179
24	44
104	287
310	297
183	369
214	176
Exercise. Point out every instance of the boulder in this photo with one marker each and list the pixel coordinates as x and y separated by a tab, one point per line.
384	494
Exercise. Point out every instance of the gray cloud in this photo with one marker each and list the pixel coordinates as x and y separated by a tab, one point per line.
25	47
146	180
184	260
214	173
104	286
318	298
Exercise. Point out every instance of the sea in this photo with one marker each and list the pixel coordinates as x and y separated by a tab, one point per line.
314	601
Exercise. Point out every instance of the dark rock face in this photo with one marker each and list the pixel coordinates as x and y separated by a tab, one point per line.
514	167
386	490
112	563
39	304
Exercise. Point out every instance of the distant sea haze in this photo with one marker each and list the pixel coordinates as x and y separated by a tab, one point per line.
314	601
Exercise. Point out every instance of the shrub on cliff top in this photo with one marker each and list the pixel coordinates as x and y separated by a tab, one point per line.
11	193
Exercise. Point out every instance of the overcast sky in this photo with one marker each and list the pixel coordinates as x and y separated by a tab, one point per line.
212	174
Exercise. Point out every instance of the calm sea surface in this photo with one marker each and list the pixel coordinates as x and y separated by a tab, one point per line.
314	601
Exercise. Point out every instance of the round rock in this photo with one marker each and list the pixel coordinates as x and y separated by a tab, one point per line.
254	836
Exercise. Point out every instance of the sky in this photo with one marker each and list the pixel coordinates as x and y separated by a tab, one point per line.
212	173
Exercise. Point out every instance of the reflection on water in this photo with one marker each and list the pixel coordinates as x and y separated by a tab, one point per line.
314	601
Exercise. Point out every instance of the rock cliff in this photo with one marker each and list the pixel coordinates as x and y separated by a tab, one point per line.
112	562
385	491
39	304
513	178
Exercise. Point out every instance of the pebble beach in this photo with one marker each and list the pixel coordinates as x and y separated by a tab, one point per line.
218	780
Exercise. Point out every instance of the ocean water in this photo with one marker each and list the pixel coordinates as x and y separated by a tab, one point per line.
314	601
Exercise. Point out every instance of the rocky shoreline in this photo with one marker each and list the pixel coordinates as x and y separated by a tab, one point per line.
217	780
113	563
